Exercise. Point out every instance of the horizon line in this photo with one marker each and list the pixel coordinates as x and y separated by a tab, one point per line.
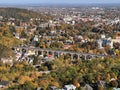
55	4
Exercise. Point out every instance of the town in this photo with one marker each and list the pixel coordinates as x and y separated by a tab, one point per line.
44	37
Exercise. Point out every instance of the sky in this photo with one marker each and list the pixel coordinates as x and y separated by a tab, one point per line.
57	1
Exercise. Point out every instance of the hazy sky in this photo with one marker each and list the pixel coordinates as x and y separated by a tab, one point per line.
58	1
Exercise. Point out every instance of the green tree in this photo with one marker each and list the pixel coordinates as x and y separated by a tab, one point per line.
23	34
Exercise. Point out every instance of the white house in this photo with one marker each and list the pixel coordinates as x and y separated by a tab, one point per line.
36	38
103	36
100	44
88	87
69	87
31	52
110	42
116	88
7	60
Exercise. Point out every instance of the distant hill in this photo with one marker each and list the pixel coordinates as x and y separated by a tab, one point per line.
18	13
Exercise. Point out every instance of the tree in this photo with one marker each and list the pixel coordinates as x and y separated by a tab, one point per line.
28	85
23	34
12	29
76	83
5	51
56	45
36	59
23	79
44	83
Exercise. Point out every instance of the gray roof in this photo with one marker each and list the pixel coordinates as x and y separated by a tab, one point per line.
4	83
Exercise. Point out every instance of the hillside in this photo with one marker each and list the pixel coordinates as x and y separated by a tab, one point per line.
7	41
18	13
